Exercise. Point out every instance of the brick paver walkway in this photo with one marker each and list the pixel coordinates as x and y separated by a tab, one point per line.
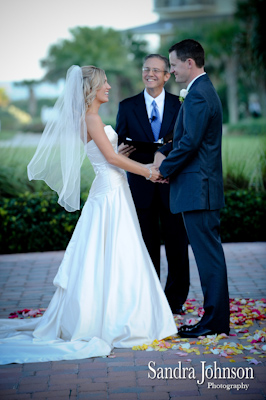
26	282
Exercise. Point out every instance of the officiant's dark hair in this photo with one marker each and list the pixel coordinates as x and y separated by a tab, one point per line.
164	59
189	48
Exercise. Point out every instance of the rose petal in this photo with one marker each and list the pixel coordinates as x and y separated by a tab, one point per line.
254	361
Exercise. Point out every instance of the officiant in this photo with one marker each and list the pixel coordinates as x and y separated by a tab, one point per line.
146	121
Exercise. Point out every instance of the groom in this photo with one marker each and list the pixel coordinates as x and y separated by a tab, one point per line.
196	184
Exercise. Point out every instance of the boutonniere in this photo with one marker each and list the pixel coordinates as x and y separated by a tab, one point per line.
182	95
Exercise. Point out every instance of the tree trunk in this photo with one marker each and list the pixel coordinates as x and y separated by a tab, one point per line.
262	94
32	102
231	83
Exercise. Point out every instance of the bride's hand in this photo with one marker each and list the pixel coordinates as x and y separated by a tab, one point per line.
156	176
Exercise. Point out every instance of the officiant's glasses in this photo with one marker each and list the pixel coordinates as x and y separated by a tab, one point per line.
154	70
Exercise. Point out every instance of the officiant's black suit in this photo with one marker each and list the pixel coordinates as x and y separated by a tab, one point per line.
152	200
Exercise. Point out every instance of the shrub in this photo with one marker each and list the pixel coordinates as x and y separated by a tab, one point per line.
36	222
248	126
8	121
243	219
35	127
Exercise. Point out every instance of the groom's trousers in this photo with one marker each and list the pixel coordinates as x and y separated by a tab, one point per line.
203	230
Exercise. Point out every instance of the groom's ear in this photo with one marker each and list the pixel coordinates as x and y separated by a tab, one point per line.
191	63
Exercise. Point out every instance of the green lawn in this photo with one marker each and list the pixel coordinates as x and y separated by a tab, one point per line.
13	172
7	135
242	158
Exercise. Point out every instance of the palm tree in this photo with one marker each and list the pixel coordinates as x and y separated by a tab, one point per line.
252	44
32	103
115	52
219	41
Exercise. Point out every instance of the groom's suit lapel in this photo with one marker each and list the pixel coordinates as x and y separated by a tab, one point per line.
178	129
140	111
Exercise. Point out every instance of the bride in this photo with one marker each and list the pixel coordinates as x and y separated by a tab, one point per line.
108	294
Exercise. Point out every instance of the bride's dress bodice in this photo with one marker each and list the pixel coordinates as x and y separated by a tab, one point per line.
108	177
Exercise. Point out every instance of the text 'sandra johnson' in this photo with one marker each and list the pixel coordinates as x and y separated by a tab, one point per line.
211	372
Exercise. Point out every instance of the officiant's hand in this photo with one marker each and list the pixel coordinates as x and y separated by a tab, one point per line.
158	159
125	149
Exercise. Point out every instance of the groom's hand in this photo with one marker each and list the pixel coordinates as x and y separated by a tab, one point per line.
158	159
156	175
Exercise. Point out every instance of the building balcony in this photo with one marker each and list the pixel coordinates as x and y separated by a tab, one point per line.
179	5
172	7
169	9
186	13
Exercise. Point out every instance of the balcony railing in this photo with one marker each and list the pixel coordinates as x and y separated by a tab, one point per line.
158	4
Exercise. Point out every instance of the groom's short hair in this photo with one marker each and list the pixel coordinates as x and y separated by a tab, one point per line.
189	48
164	59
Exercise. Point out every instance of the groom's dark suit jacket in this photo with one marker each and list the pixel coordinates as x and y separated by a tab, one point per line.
195	164
133	122
196	189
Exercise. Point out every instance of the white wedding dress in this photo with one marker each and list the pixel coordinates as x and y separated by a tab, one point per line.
108	294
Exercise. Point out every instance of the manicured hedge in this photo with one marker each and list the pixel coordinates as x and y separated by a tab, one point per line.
243	219
35	222
248	126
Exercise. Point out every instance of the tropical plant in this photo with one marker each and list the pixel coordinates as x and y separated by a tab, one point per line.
219	41
32	102
4	99
252	44
116	52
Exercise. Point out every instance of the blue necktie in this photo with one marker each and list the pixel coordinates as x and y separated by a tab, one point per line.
155	121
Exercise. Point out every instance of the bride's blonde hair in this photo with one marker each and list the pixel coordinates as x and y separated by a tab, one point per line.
93	80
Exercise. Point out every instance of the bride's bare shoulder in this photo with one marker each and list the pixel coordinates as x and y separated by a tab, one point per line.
95	126
93	119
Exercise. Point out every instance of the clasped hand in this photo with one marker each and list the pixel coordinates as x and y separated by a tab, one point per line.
156	175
